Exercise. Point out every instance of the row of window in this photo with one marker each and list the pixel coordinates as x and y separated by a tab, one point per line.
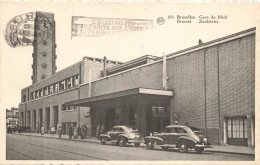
59	86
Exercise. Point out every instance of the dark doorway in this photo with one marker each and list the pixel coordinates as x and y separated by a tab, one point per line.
40	119
34	120
47	116
56	116
160	118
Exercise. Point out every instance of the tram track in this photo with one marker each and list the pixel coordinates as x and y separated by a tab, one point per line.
20	153
54	149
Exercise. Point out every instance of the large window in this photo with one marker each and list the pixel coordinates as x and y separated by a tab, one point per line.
59	86
237	127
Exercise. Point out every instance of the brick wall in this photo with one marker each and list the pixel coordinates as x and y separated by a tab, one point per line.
222	82
187	81
146	77
208	84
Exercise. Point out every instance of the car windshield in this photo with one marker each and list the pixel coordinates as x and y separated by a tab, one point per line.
131	129
197	131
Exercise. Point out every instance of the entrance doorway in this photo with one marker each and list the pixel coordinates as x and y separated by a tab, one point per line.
55	116
47	116
40	118
113	117
34	120
160	118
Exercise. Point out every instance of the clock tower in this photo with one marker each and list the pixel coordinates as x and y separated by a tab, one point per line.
44	54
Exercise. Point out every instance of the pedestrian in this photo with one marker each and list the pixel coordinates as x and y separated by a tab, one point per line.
103	129
79	131
59	132
86	130
42	130
52	130
98	132
82	132
9	130
70	131
19	129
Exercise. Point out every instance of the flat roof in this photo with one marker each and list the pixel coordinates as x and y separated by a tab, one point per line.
131	63
121	94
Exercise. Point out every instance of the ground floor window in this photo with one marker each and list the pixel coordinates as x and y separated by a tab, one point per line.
237	127
237	131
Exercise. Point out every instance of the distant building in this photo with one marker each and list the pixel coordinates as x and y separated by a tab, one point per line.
12	117
210	86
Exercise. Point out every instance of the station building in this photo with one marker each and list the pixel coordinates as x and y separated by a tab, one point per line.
210	86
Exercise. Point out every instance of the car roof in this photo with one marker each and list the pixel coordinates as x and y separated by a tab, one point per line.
174	126
123	126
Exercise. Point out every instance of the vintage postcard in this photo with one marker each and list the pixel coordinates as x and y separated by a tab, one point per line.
129	82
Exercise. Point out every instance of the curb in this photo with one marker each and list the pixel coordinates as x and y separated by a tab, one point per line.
229	152
89	141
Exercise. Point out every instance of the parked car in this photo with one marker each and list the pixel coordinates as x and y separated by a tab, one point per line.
121	135
181	137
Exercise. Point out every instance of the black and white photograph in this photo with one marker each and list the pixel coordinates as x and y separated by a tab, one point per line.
138	82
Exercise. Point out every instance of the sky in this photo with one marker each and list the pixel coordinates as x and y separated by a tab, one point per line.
15	63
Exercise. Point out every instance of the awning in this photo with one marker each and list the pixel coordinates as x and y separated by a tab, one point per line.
119	94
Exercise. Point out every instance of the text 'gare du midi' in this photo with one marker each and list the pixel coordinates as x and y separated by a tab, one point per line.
210	86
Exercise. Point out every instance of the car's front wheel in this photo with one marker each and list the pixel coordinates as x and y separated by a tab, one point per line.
122	142
199	150
150	145
183	146
137	144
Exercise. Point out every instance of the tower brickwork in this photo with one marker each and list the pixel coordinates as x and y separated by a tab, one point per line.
44	54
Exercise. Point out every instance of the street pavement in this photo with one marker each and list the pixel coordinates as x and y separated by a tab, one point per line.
20	147
242	150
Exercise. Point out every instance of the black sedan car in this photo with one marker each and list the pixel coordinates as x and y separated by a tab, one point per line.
121	135
181	137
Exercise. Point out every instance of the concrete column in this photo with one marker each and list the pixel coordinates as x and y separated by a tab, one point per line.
37	120
51	117
44	119
249	130
141	118
253	131
31	118
59	114
225	131
125	114
26	118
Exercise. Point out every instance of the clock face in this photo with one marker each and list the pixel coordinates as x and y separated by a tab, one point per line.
43	29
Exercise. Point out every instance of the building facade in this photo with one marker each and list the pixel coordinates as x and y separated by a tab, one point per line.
210	86
12	117
42	103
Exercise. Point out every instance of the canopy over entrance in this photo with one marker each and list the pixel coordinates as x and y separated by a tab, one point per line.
130	92
147	109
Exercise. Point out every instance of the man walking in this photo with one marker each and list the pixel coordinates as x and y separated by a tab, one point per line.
59	132
42	130
103	129
98	132
82	132
86	129
70	132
